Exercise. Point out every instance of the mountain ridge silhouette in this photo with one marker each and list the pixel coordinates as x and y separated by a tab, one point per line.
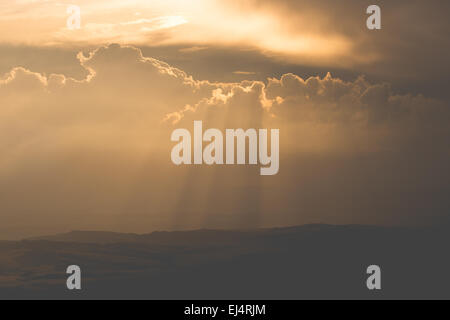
300	262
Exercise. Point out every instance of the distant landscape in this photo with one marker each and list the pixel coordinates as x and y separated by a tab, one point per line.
304	262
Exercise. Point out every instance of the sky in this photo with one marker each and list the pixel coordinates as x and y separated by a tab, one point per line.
87	114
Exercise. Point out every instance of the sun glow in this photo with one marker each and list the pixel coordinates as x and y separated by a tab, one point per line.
174	22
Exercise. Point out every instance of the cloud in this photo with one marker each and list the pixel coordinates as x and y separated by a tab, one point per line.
326	108
244	72
192	49
325	34
95	152
198	23
146	97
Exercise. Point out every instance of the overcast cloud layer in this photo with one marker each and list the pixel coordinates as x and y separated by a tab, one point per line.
95	153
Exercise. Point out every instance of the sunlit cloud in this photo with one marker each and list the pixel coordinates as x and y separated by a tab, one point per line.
244	72
192	49
199	23
96	146
98	149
